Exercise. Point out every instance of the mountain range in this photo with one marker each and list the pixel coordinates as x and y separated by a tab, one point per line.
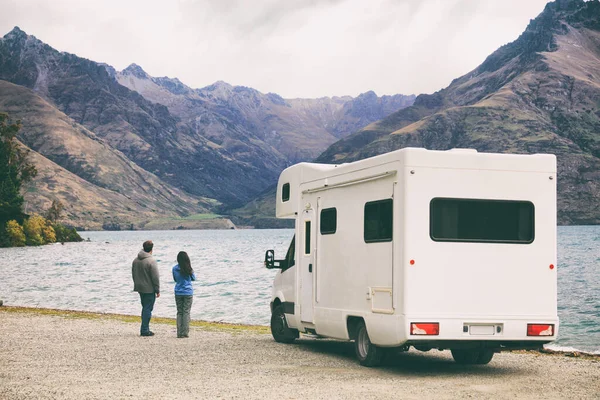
123	147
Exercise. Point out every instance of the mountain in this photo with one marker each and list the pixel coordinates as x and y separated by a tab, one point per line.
538	94
96	183
222	142
298	129
145	132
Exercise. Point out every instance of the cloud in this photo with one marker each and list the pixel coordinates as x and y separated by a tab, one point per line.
296	48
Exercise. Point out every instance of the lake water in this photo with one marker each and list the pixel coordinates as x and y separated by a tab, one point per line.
233	285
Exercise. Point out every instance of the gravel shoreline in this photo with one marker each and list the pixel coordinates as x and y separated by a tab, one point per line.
75	355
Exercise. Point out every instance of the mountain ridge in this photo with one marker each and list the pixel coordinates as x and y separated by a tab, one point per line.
220	145
539	93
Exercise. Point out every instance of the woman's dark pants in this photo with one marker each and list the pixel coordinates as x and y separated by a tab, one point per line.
184	305
148	300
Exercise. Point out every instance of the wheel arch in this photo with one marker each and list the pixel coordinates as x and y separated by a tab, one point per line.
352	322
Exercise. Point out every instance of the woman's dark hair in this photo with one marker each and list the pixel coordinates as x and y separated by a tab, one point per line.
185	264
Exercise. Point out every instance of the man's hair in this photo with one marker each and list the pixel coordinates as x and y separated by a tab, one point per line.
148	245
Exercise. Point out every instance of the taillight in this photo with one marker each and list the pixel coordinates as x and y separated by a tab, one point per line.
425	328
540	329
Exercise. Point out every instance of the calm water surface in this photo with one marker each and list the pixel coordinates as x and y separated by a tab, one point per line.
233	285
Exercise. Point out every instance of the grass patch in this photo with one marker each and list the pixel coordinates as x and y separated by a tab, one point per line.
194	217
215	326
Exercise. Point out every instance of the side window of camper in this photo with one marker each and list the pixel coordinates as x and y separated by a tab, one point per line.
328	223
378	221
487	221
306	237
285	192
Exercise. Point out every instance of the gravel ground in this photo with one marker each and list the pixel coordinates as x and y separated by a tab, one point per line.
57	357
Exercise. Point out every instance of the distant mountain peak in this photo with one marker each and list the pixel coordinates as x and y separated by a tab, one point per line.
16	35
17	31
135	70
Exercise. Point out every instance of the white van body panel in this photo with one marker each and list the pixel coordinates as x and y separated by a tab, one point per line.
475	290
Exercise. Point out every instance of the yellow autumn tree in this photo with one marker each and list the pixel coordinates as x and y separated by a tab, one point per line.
15	233
37	231
48	233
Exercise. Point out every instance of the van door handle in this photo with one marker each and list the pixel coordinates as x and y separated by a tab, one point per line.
310	268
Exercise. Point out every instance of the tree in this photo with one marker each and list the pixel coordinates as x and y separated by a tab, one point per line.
36	229
54	213
15	234
14	171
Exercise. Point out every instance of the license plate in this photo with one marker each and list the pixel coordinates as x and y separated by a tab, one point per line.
481	329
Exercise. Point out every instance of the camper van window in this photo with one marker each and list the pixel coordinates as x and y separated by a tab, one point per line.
378	221
328	223
306	237
488	221
285	192
290	255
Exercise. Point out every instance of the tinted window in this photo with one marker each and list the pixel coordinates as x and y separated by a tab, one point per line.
328	221
470	220
378	221
290	258
285	192
307	237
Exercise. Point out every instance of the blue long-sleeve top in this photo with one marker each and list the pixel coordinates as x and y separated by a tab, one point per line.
183	286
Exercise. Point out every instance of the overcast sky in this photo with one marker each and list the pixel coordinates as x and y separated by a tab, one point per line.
296	48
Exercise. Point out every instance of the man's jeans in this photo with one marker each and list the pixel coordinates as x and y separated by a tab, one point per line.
184	305
148	300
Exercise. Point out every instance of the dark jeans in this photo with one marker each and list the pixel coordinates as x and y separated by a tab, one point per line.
184	305
147	300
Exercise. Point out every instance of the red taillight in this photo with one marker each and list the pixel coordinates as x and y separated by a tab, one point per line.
540	329
424	328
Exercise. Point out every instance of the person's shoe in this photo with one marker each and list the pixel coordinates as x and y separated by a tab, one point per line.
149	333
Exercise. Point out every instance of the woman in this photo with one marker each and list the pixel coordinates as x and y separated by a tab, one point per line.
183	274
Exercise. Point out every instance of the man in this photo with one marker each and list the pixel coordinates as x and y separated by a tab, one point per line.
146	282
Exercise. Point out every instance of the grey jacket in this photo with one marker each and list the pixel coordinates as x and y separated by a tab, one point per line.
145	274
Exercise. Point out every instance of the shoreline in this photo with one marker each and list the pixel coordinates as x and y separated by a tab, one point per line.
226	326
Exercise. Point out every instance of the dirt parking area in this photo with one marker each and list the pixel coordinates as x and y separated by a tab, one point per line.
69	357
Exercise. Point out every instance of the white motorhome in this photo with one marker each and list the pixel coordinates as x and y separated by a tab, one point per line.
431	249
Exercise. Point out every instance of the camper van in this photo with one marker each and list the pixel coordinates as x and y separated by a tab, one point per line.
431	249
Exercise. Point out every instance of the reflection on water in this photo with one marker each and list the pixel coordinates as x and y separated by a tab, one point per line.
233	285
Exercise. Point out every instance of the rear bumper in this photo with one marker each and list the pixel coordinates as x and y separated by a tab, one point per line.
497	332
496	345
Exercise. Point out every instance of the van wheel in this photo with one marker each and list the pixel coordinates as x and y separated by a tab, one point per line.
367	353
279	327
472	357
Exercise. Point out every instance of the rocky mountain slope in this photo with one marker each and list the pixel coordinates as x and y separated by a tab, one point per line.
298	129
538	94
97	184
145	132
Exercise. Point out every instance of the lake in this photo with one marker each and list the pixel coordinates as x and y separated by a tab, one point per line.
233	286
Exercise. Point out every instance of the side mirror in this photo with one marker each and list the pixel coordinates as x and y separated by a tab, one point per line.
270	259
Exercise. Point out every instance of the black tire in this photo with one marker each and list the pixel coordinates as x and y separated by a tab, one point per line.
279	327
367	353
472	356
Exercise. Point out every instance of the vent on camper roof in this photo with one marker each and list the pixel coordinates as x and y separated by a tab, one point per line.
463	150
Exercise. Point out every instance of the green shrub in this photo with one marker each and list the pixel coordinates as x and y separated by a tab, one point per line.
66	234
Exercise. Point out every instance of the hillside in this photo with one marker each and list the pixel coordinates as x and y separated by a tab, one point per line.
145	132
96	183
538	94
